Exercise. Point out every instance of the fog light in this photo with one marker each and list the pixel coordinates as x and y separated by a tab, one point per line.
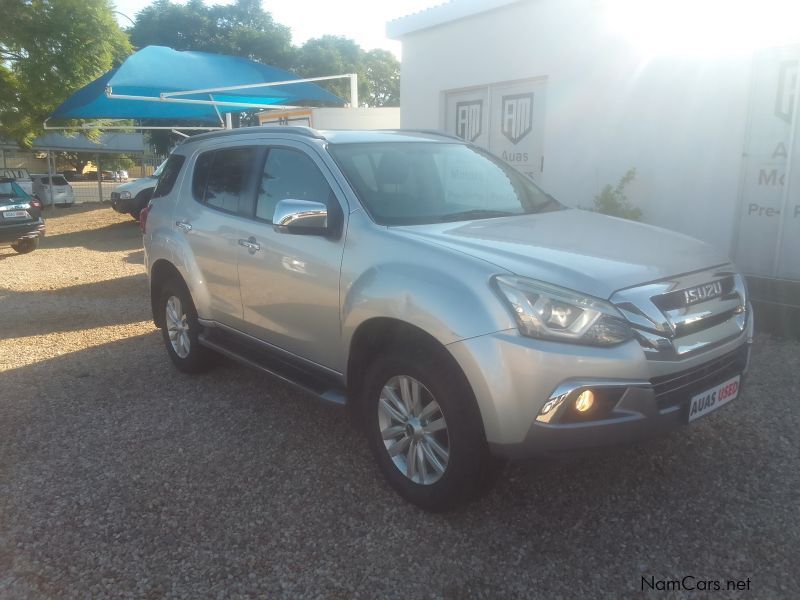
584	401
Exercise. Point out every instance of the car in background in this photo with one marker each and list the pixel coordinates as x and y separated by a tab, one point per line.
21	176
106	175
63	194
132	197
21	223
72	175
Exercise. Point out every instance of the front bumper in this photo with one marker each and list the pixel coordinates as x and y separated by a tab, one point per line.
525	374
12	233
123	205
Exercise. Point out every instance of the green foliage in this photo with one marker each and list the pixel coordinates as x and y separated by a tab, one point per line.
378	70
239	29
49	49
245	29
613	201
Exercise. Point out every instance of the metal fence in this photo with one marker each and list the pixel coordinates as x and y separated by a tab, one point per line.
97	185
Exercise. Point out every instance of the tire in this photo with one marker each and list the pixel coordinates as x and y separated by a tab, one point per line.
439	480
26	245
181	329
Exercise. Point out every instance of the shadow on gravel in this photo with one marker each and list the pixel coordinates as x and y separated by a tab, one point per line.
111	238
126	476
111	302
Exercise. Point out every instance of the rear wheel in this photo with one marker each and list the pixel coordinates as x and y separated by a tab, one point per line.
25	245
180	329
425	430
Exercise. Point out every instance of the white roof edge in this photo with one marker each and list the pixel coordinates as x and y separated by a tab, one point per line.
442	13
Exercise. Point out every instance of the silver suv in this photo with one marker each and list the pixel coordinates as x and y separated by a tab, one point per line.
461	312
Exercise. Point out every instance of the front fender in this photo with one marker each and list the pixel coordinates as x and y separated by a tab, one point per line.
446	293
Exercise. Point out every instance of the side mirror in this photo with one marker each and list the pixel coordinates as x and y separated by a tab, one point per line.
301	217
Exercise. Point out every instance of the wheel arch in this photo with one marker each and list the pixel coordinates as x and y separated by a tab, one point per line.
161	272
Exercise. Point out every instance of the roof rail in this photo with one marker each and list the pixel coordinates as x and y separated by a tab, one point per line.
427	132
295	129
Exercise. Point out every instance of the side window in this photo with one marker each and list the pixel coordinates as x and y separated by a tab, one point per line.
227	178
169	176
289	174
200	177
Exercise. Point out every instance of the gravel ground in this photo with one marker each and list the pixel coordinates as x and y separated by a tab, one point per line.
120	477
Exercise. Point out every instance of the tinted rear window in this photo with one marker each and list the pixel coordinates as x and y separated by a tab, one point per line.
168	177
9	189
220	177
57	180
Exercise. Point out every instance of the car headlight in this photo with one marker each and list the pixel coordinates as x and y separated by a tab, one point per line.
125	195
552	313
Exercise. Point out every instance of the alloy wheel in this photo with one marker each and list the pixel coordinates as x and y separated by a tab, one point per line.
413	429
177	326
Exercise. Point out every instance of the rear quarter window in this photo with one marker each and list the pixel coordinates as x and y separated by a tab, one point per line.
168	177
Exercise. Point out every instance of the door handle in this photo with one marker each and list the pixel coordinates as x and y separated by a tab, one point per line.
251	244
183	225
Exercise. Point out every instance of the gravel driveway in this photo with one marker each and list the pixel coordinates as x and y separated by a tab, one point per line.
121	477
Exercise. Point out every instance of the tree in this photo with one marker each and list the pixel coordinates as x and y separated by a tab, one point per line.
243	28
383	76
613	200
378	70
49	49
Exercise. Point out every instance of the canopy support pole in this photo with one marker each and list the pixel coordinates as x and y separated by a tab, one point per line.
191	101
50	169
99	178
353	90
247	86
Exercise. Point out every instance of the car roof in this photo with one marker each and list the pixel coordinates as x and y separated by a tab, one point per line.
338	136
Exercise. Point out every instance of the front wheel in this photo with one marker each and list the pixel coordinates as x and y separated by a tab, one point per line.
181	329
425	430
25	245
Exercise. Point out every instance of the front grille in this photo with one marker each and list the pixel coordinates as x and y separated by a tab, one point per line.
114	195
671	325
672	389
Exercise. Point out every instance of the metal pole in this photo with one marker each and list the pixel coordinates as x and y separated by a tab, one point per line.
353	91
228	121
50	178
99	178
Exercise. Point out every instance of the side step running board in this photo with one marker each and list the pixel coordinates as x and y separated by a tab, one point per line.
263	361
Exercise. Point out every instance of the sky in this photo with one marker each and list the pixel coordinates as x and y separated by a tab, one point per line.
361	20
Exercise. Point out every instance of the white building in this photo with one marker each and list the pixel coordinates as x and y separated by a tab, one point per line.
576	92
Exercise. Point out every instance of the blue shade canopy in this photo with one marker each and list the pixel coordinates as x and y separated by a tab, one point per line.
155	70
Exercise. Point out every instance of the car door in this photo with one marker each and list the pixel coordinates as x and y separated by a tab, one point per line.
290	283
210	216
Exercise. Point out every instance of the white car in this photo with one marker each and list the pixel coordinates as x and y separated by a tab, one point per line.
62	191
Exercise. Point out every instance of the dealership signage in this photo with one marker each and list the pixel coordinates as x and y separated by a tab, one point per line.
768	240
505	118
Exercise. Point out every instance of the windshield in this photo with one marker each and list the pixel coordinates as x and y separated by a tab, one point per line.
411	183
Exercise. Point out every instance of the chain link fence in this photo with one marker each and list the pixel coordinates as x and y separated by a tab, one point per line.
96	185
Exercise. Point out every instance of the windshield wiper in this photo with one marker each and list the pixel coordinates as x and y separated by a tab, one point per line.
480	213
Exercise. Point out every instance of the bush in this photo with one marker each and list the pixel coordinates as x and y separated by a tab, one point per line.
613	201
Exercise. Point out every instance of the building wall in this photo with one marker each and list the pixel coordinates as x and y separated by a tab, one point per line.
680	122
